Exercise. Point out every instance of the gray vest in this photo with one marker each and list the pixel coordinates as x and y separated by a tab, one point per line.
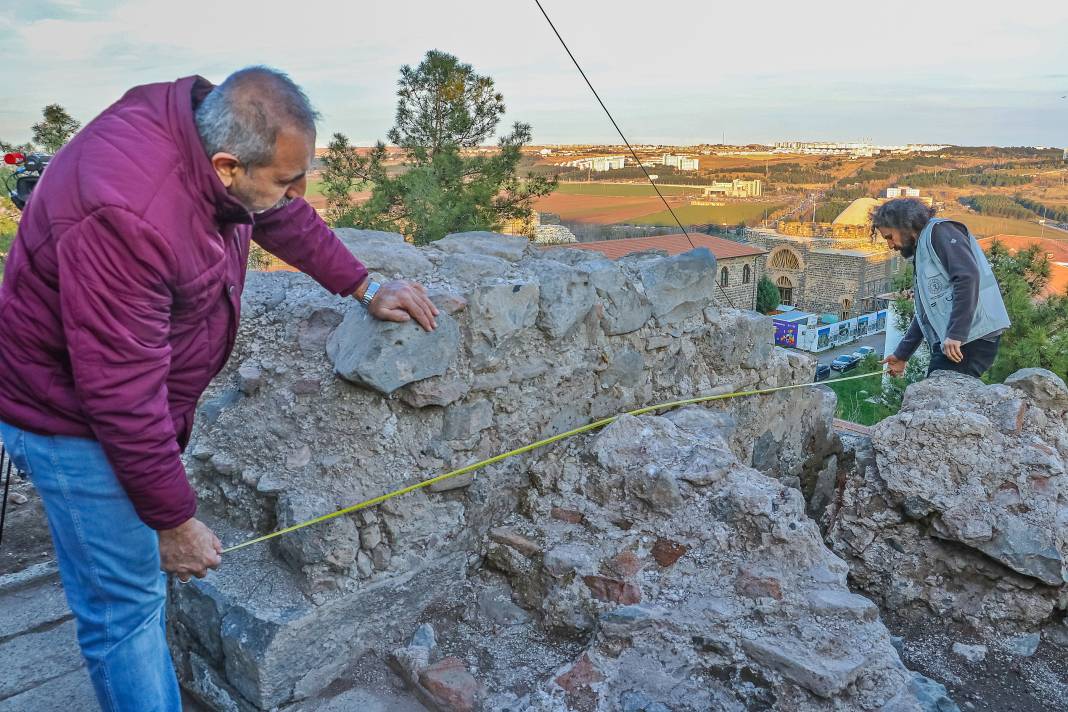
934	292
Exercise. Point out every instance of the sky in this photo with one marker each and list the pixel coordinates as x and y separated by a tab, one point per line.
671	71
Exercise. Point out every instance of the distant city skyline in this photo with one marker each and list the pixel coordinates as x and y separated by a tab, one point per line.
679	73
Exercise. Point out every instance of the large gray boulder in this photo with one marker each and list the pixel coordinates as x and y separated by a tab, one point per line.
681	286
385	252
505	247
964	509
385	355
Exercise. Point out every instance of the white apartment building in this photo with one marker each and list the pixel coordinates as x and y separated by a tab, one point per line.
736	188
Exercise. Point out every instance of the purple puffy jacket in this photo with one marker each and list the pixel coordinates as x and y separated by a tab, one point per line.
122	292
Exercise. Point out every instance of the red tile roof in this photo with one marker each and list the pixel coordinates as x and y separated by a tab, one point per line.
1055	247
673	244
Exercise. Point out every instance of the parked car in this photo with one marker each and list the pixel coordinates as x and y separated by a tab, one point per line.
844	362
823	372
865	350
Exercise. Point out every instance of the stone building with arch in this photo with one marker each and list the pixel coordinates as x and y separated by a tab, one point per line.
826	271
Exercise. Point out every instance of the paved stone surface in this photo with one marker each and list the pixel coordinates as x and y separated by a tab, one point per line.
33	607
69	692
33	658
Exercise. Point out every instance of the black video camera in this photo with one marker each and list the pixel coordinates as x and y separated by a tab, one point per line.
28	169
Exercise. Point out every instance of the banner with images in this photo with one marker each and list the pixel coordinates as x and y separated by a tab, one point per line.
786	334
862	326
823	338
880	321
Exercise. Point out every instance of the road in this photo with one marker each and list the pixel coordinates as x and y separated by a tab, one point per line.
876	341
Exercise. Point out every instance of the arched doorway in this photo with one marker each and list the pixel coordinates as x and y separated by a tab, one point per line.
786	291
847	308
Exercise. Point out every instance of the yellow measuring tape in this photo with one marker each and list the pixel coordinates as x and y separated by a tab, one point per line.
533	446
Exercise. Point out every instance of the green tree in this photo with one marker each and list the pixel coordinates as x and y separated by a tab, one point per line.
443	109
1037	337
344	171
55	129
767	296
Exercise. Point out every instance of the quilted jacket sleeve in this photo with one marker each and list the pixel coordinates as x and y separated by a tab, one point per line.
297	234
115	274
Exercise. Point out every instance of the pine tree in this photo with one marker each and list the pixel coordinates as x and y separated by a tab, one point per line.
55	129
444	109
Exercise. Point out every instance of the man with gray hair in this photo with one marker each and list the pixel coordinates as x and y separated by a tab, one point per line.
120	303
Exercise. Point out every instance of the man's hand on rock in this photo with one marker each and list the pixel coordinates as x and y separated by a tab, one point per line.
190	549
402	301
951	348
895	366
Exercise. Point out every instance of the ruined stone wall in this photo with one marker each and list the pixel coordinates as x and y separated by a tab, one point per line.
322	406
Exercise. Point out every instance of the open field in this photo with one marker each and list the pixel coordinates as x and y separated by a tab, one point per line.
624	190
603	209
731	214
985	226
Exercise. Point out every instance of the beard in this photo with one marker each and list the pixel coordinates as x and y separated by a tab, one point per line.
908	249
254	202
280	204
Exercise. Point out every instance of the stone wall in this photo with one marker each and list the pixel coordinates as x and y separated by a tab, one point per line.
831	271
321	407
739	293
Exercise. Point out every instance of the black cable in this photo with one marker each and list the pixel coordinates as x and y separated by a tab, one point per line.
633	153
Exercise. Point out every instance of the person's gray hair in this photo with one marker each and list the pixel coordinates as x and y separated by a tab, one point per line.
245	113
907	214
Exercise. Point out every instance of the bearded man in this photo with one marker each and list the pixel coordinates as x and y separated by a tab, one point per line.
959	309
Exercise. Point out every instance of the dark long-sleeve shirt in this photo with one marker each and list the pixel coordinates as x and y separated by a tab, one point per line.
952	246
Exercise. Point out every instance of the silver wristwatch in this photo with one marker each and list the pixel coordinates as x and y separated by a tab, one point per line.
369	293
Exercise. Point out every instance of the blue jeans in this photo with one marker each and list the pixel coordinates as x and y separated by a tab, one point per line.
109	563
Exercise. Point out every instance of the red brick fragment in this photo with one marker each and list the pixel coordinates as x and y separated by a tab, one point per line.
571	516
450	683
613	590
667	552
624	564
757	586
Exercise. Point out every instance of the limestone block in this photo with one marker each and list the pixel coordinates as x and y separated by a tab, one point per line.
496	314
681	286
506	247
625	369
463	421
566	297
385	355
385	252
1045	387
625	309
434	391
472	267
334	542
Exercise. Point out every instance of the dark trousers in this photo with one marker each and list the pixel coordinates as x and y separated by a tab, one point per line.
979	356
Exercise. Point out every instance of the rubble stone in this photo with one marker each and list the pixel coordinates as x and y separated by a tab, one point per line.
960	511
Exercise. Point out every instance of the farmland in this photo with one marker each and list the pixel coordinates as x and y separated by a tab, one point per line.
602	209
730	214
985	226
624	190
